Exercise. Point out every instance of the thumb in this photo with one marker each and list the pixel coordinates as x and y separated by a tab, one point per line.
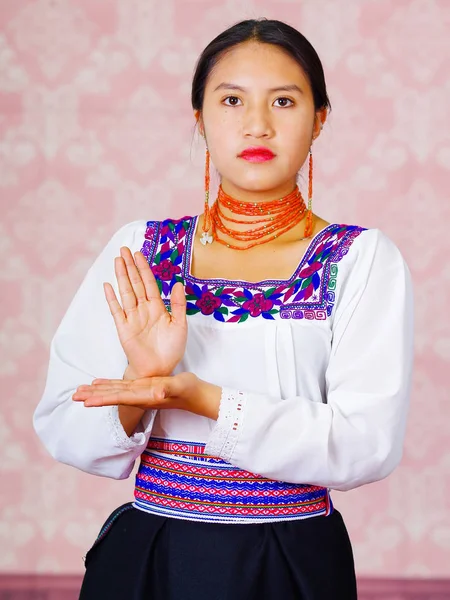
173	386
160	388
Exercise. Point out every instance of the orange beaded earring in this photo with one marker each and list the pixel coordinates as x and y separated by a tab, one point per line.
309	219
206	237
308	226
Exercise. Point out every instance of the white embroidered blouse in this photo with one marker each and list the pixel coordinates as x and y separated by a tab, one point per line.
315	370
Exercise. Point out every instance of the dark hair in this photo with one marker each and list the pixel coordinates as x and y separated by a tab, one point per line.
267	31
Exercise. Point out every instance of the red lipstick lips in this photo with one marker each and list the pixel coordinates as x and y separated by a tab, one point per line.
257	154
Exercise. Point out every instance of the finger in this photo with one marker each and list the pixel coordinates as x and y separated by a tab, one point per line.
125	288
110	386
94	388
114	305
145	399
178	303
111	381
151	287
133	275
94	392
105	399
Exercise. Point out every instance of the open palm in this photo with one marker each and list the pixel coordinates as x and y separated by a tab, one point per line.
153	339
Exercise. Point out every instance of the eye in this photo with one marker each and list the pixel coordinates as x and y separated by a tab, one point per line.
232	98
284	102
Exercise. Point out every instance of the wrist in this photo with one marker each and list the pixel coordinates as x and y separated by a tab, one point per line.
130	374
130	415
195	395
209	396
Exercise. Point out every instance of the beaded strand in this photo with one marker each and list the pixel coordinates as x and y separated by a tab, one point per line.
281	215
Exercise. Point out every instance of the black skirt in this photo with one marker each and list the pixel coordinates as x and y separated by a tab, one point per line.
140	556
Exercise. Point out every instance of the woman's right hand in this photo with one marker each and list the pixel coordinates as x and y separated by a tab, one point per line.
153	339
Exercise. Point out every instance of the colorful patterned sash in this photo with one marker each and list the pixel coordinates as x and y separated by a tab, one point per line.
176	479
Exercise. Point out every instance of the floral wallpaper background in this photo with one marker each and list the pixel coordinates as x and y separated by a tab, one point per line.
96	130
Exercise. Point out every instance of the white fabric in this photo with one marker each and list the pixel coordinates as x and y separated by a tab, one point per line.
322	402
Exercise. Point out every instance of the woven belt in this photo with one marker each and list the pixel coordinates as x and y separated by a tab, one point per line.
176	479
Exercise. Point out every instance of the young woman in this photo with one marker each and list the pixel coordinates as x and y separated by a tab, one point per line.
259	357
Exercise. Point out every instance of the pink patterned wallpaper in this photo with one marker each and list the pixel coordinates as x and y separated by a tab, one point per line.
96	130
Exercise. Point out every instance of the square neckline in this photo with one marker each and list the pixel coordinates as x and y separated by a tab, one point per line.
188	257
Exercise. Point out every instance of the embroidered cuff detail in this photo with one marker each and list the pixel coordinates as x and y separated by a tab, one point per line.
225	434
119	434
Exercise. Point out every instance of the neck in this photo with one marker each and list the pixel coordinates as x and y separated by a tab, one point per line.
251	197
266	195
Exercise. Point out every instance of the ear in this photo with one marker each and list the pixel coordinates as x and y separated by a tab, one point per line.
319	121
198	118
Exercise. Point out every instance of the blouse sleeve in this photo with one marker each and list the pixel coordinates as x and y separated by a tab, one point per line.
356	435
86	346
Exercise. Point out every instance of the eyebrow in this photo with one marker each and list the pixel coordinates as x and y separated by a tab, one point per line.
282	88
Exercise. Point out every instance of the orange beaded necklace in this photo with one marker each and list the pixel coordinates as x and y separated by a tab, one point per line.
278	216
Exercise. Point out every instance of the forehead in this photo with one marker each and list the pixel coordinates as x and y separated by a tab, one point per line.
257	64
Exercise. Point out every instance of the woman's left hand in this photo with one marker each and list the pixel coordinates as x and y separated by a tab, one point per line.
184	391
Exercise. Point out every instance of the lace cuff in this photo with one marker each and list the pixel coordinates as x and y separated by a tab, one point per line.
120	437
226	431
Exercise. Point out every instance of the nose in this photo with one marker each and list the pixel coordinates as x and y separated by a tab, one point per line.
257	122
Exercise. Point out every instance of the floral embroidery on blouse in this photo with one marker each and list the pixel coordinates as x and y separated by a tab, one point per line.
308	294
168	238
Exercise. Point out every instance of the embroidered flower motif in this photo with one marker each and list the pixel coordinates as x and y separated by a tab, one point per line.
257	305
310	269
166	270
208	303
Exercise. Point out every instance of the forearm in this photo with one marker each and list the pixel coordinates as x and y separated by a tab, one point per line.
335	444
130	416
139	395
184	391
90	439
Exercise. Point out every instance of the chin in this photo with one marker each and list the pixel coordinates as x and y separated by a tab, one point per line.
261	184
